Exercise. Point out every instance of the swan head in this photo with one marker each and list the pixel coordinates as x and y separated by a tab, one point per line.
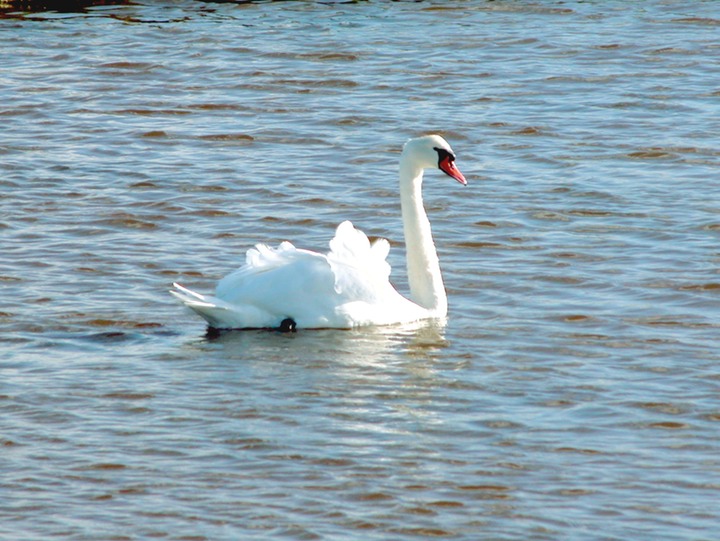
432	151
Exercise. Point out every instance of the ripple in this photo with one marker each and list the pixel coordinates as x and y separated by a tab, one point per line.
123	323
652	154
229	137
711	286
103	466
126	220
705	21
155	133
669	425
128	396
423	532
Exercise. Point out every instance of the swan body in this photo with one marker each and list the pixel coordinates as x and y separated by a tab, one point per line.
347	287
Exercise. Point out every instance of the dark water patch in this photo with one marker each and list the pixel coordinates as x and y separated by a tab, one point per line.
129	66
660	321
125	220
668	425
102	466
663	407
577	318
211	213
189	273
144	185
229	137
608	46
651	154
316	201
254	444
590	213
527	8
571	258
151	112
418	510
479	244
580	451
219	107
372	497
446	504
123	323
670	50
295	222
285	139
712	286
531	130
23	8
204	187
120	395
703	21
317	83
550	215
323	56
487	492
155	134
422	532
352	121
109	336
559	279
226	235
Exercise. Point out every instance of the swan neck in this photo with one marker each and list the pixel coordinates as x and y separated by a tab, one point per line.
423	267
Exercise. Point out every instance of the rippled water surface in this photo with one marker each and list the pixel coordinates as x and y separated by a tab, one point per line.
573	393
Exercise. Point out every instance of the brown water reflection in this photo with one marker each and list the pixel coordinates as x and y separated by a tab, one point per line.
23	8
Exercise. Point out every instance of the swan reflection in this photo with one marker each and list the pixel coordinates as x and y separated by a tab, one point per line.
366	346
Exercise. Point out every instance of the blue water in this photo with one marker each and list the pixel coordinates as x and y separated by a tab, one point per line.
573	393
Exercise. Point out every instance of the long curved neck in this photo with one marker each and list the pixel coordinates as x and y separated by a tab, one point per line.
423	266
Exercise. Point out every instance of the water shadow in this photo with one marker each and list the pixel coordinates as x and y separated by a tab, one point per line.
12	9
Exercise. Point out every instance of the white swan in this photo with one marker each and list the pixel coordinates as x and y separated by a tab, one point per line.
290	288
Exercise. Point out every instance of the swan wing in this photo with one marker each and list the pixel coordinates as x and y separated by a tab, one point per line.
360	268
282	282
362	280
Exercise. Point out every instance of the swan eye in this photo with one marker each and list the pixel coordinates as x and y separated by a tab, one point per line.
444	155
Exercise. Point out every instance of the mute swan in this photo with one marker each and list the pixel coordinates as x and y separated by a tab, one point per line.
287	287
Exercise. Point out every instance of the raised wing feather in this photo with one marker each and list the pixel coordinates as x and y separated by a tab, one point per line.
360	268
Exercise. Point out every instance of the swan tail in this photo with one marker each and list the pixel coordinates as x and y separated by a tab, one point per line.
186	295
209	308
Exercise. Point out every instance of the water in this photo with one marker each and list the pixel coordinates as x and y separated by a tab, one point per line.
573	393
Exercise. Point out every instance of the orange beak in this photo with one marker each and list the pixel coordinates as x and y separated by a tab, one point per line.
448	167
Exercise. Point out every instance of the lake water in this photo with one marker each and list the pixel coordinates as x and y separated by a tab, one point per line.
573	393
